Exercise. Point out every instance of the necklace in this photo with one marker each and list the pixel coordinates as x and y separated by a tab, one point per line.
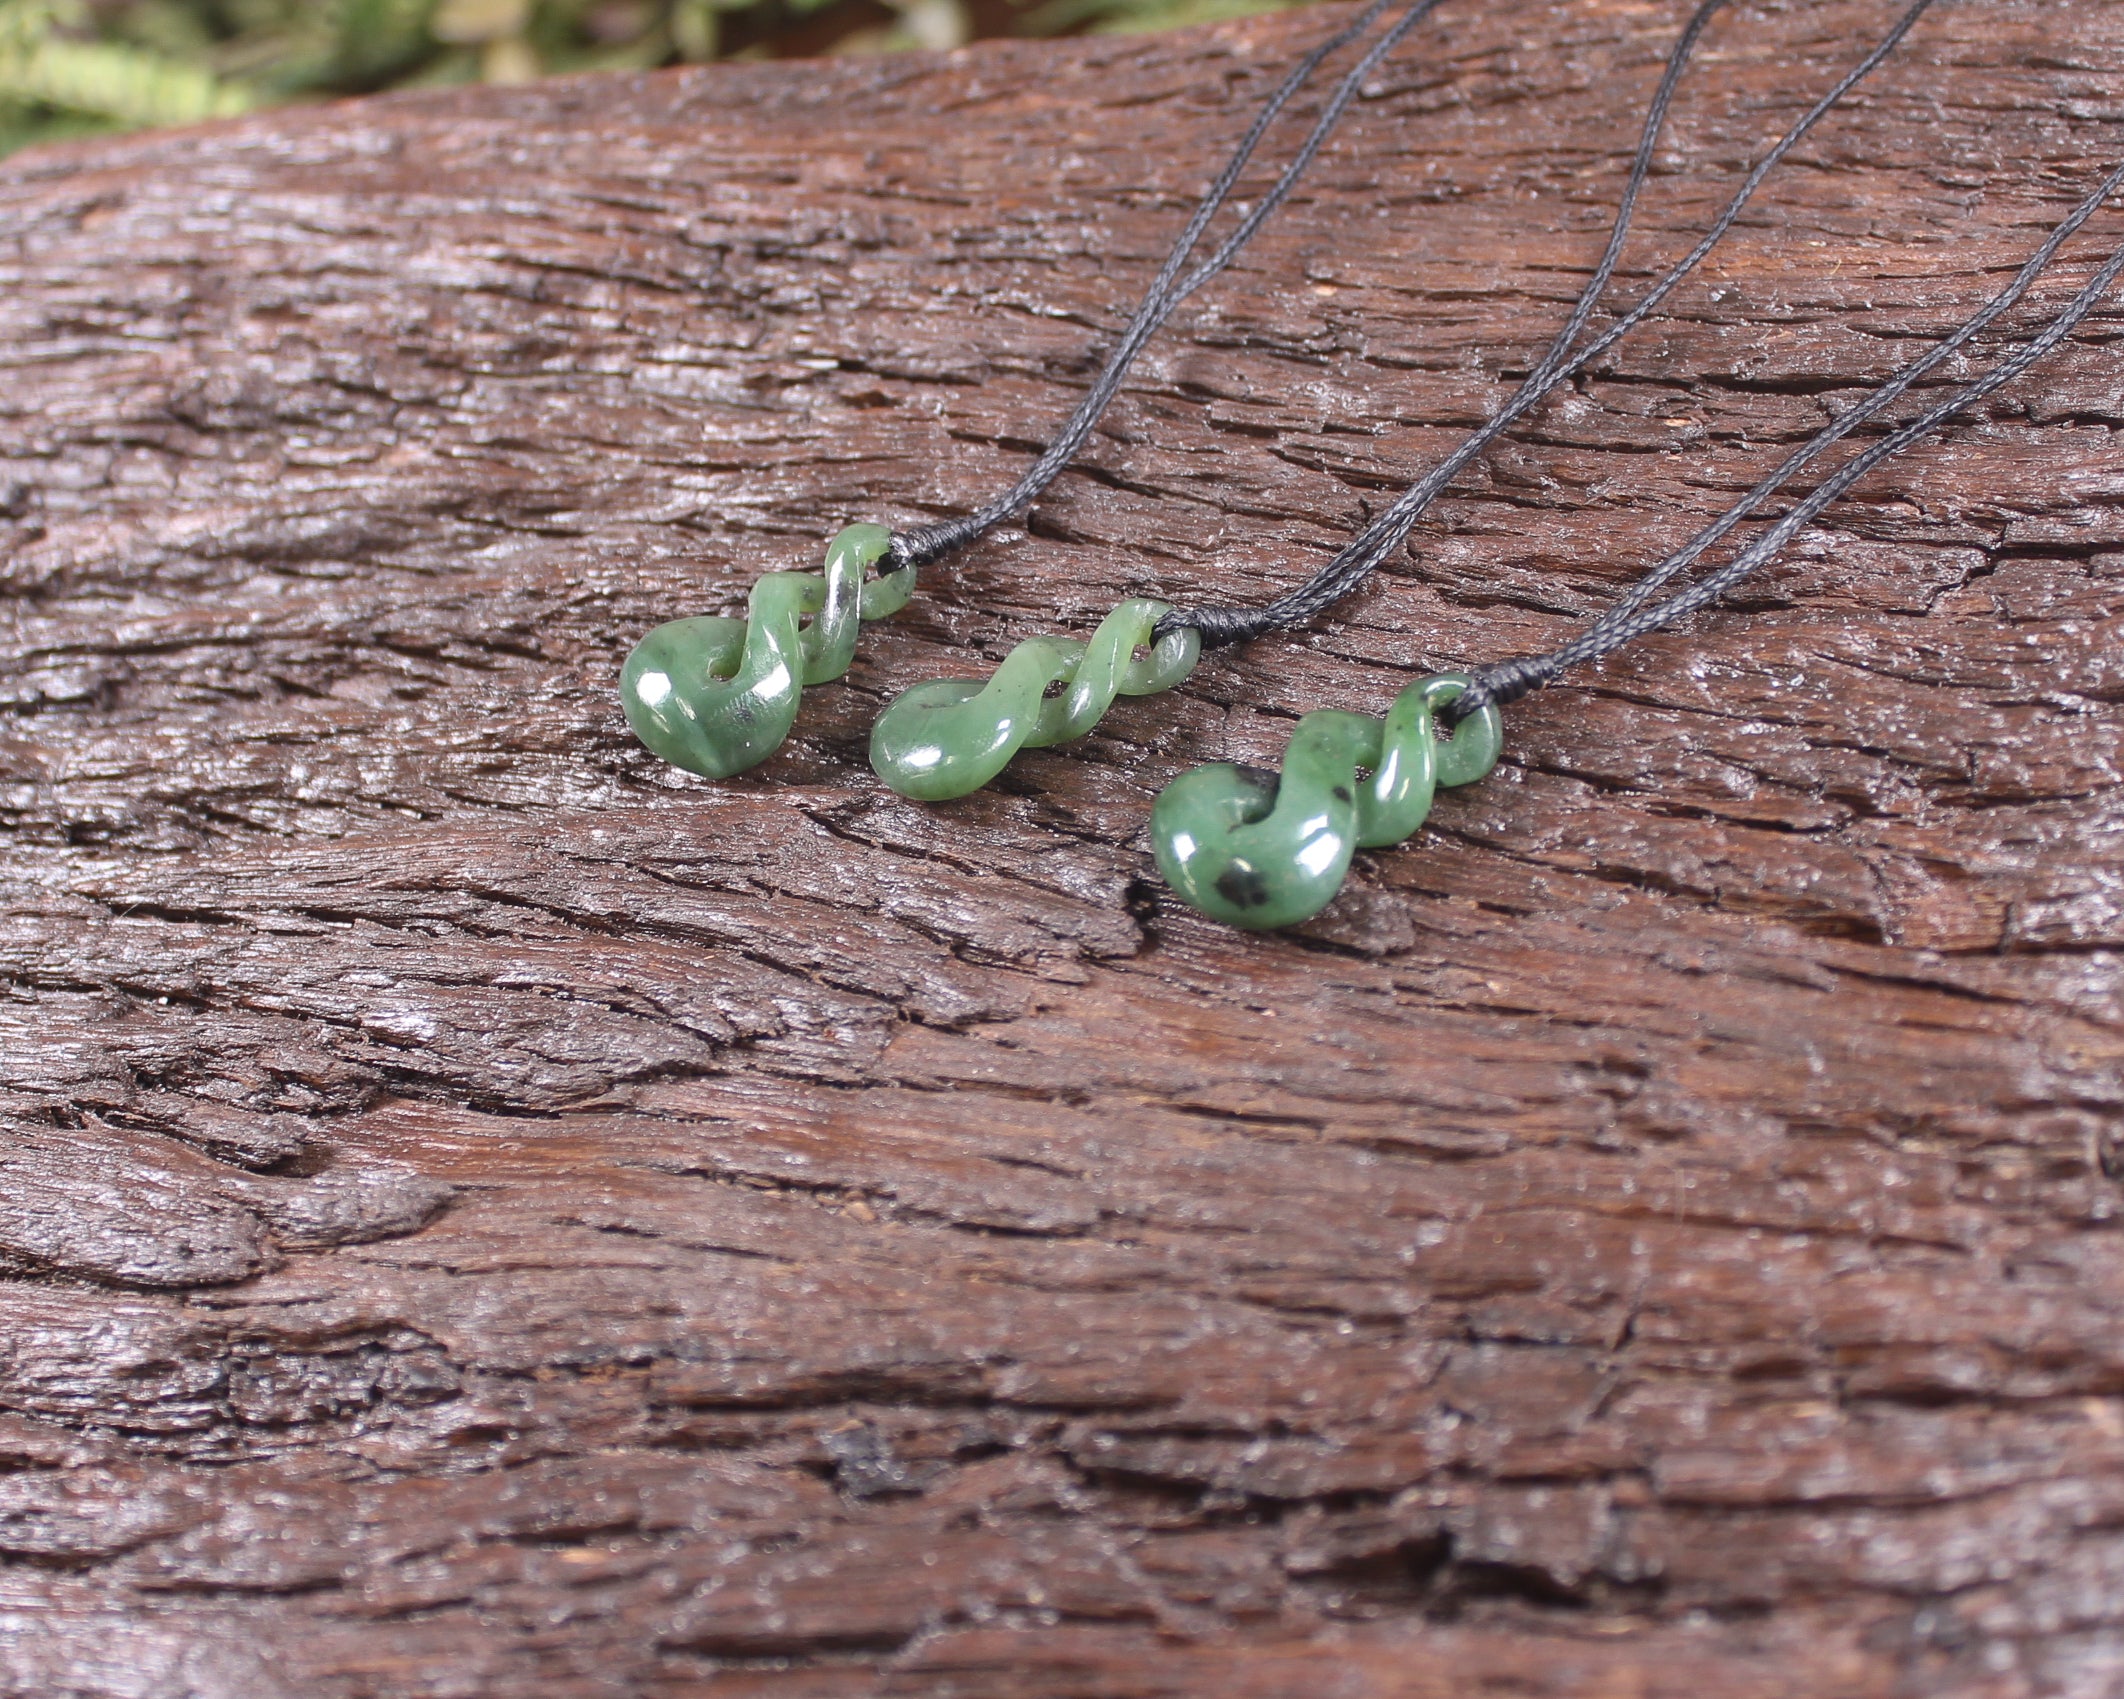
717	695
1242	845
1264	849
951	736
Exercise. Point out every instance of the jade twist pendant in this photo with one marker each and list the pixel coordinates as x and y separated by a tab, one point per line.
951	736
1262	850
717	696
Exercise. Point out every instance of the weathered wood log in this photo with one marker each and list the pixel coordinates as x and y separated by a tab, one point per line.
487	1214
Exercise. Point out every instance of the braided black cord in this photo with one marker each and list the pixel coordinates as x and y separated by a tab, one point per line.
1632	618
1168	289
1361	557
1845	423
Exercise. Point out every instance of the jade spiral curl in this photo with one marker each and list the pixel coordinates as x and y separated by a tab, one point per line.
716	695
952	735
1262	850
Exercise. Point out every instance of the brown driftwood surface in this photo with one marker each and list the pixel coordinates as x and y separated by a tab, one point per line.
485	1214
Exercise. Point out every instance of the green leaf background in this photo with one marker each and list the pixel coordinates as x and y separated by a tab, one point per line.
70	67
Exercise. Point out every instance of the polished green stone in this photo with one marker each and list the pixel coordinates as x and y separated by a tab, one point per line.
951	736
843	600
1472	748
1262	850
717	696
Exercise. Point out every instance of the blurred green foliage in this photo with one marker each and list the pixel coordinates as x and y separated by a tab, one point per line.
73	66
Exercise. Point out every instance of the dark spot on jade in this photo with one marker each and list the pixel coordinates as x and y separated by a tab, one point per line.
1260	850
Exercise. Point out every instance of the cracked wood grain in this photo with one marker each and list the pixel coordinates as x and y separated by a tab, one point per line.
484	1214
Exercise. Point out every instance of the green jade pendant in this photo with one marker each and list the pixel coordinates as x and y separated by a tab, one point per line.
951	736
1263	850
717	696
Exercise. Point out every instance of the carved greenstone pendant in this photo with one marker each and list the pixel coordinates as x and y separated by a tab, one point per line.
716	695
1262	850
952	735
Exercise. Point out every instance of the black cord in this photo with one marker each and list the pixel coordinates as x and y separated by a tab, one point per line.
1632	618
1169	288
1360	558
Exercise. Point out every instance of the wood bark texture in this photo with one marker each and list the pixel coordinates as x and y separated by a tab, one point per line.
487	1214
